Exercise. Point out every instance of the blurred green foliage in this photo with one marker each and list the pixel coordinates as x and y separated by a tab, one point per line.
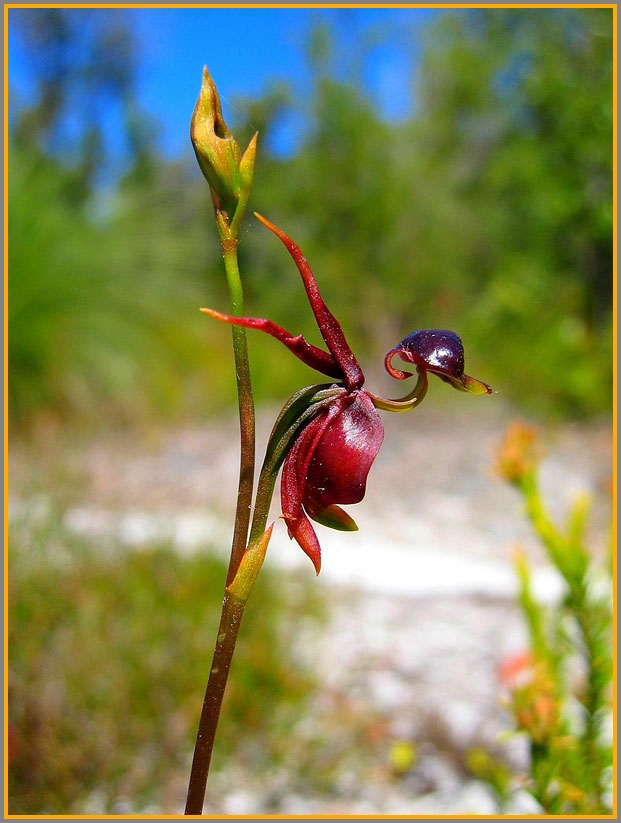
102	311
109	654
489	211
560	690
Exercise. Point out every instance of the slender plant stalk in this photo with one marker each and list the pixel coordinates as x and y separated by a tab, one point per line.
229	174
232	609
230	621
246	411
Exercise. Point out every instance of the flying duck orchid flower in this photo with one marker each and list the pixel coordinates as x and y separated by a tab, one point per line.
328	436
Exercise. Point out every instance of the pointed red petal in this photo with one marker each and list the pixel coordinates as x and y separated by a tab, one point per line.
329	326
302	531
316	358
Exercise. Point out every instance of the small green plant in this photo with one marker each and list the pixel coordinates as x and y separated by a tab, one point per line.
325	438
560	688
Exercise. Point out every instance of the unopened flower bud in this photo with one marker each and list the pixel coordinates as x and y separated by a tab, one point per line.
217	152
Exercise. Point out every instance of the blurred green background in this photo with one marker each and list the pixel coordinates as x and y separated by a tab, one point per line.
487	210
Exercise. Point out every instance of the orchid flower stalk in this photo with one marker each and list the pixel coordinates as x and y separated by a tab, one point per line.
229	175
327	436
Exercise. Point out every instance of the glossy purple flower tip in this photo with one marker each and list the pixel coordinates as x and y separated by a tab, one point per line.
440	352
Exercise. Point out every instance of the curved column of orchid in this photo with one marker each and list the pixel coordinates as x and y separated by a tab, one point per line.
328	436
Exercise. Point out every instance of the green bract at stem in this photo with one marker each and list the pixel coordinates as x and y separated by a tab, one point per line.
250	567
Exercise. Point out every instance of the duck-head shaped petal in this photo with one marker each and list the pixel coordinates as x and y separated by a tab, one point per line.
437	351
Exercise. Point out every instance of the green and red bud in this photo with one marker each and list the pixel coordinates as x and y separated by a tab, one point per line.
228	172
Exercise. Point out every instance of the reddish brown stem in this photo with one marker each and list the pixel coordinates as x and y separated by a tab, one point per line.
232	613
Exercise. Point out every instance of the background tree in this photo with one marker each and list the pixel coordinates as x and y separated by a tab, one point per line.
488	211
106	267
515	133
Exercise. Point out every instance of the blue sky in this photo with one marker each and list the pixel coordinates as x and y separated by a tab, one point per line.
246	50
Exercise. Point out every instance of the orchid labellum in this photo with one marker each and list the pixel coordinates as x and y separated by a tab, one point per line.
328	436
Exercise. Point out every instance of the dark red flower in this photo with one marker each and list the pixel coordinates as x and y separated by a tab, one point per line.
326	454
327	465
